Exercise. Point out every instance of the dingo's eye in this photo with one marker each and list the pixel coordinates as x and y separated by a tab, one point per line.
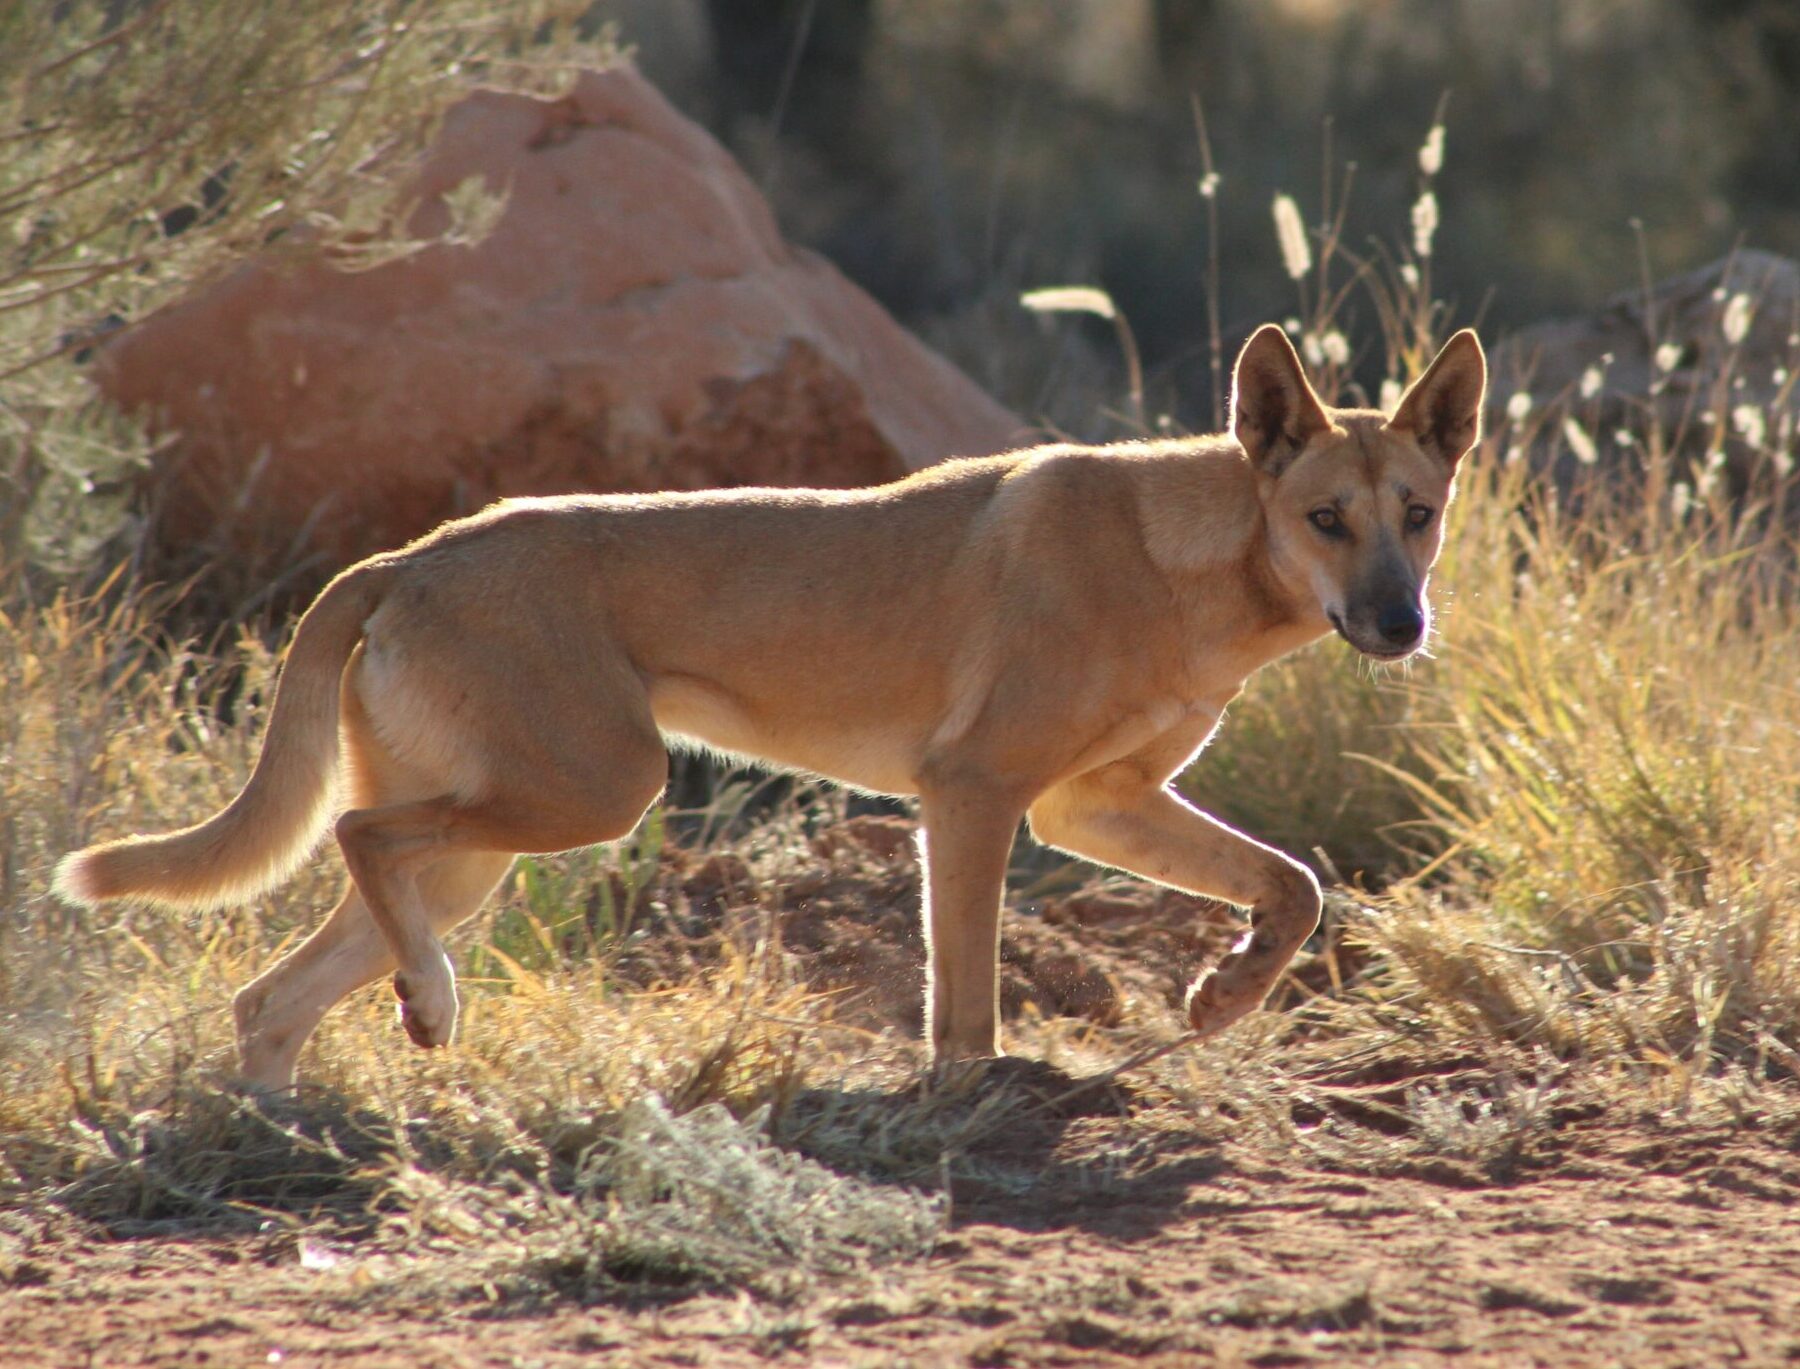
1418	515
1327	521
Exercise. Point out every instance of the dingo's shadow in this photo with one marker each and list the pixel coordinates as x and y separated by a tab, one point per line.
1018	1143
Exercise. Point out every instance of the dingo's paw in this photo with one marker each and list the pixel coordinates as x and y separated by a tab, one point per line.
428	1002
1213	1006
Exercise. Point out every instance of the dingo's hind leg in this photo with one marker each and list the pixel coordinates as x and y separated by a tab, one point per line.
279	1010
452	773
550	771
389	852
506	749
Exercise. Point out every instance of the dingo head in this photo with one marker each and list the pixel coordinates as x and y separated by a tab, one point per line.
1354	502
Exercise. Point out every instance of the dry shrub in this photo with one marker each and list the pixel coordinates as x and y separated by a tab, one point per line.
152	146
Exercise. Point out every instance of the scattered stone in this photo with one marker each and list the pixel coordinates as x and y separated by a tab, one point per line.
1707	360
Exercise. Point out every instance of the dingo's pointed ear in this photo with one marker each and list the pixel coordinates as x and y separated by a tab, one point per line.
1442	410
1273	409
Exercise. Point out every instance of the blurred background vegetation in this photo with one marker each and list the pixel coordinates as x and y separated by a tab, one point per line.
947	154
950	153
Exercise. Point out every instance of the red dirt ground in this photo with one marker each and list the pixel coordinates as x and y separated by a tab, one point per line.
1634	1247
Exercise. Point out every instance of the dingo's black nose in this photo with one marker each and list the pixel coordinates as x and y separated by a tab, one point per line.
1400	624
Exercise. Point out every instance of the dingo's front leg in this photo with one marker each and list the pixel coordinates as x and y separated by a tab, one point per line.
965	838
1119	816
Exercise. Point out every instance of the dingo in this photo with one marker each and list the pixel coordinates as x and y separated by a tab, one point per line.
1050	634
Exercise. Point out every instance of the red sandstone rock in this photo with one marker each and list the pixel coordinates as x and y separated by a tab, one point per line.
634	322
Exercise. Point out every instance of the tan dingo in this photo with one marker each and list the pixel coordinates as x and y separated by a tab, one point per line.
1049	634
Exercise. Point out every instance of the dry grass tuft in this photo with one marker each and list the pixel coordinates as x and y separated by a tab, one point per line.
701	1199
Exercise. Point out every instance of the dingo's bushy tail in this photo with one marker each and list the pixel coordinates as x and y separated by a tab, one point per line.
276	822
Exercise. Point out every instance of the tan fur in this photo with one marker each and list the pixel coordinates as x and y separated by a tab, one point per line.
1050	634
